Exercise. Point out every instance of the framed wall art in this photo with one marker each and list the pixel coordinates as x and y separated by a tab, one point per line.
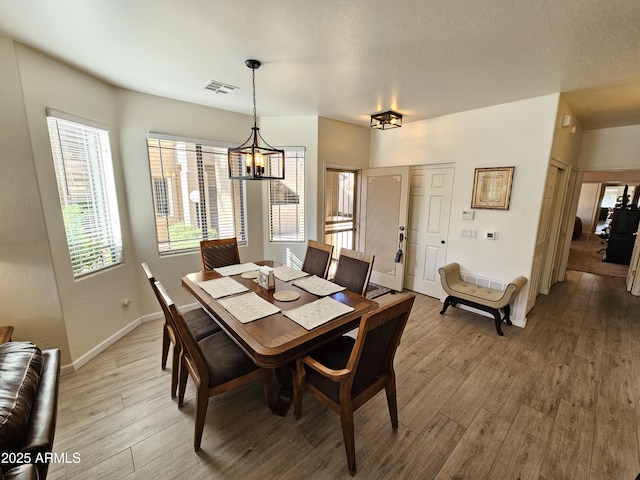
492	188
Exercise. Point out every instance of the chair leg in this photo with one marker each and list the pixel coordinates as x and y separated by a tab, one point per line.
182	383
202	402
298	389
175	370
392	402
165	345
348	435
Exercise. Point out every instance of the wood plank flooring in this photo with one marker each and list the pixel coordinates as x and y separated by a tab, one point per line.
556	400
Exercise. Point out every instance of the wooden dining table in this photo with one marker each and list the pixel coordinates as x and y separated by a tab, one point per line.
276	341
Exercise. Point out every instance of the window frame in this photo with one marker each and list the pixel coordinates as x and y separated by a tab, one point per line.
206	148
87	171
299	155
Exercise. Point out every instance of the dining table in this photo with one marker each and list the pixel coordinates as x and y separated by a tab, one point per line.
276	340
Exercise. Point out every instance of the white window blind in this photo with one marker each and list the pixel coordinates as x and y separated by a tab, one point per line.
286	200
194	198
84	172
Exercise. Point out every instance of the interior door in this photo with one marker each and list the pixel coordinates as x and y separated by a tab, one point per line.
385	195
544	232
427	236
633	280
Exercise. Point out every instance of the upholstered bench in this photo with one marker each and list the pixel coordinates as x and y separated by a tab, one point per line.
487	299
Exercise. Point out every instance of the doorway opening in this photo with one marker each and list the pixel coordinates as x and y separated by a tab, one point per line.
341	203
604	195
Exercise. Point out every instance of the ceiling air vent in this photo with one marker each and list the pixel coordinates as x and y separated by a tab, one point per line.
218	87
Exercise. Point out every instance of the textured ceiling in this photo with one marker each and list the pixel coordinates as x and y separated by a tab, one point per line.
346	59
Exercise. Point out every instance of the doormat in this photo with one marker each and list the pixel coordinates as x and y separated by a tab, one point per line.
374	291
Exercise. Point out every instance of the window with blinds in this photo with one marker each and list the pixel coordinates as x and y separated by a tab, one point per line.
193	197
84	173
286	199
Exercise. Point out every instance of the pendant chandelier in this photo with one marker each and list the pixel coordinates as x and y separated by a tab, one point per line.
251	161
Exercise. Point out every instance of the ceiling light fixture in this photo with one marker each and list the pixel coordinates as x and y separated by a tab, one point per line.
250	161
386	120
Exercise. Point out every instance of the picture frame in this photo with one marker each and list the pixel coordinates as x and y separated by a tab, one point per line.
492	188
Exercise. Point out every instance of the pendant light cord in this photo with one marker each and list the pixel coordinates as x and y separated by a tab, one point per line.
253	72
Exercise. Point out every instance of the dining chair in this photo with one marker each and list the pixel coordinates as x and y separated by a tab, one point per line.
219	253
317	259
198	321
215	364
345	373
354	270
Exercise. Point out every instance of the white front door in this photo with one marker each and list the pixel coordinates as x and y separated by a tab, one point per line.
428	230
385	194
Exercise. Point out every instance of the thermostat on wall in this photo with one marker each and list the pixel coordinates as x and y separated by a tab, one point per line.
467	214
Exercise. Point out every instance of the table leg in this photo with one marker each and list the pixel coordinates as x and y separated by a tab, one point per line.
284	397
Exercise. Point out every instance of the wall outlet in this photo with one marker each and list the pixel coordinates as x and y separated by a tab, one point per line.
491	235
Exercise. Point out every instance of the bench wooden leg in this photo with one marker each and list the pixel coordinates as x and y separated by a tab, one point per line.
496	314
447	301
507	312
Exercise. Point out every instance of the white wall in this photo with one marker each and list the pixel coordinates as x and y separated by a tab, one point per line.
91	306
516	134
138	114
293	132
27	284
611	149
587	205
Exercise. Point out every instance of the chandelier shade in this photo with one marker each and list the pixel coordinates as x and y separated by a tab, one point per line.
255	159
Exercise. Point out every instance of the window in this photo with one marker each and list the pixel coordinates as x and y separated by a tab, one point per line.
163	195
286	200
84	173
194	199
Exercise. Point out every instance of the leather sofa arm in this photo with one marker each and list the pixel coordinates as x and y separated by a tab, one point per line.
42	424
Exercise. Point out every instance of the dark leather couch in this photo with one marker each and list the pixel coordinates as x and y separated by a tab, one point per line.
28	409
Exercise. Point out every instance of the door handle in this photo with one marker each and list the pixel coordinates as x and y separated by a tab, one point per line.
442	242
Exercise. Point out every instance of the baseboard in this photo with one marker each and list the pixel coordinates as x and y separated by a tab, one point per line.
102	346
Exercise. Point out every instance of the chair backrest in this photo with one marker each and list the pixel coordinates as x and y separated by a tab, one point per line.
148	273
317	259
219	253
378	339
189	345
354	270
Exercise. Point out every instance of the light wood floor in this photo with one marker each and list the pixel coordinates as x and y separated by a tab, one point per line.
556	400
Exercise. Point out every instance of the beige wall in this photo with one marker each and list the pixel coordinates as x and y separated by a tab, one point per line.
138	114
611	149
28	288
516	134
292	132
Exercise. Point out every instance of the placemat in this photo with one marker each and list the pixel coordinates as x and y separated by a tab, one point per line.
318	286
236	269
248	307
287	274
317	313
221	287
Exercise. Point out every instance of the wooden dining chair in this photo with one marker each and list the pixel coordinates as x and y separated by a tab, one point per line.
198	321
354	270
219	253
215	364
345	373
317	259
